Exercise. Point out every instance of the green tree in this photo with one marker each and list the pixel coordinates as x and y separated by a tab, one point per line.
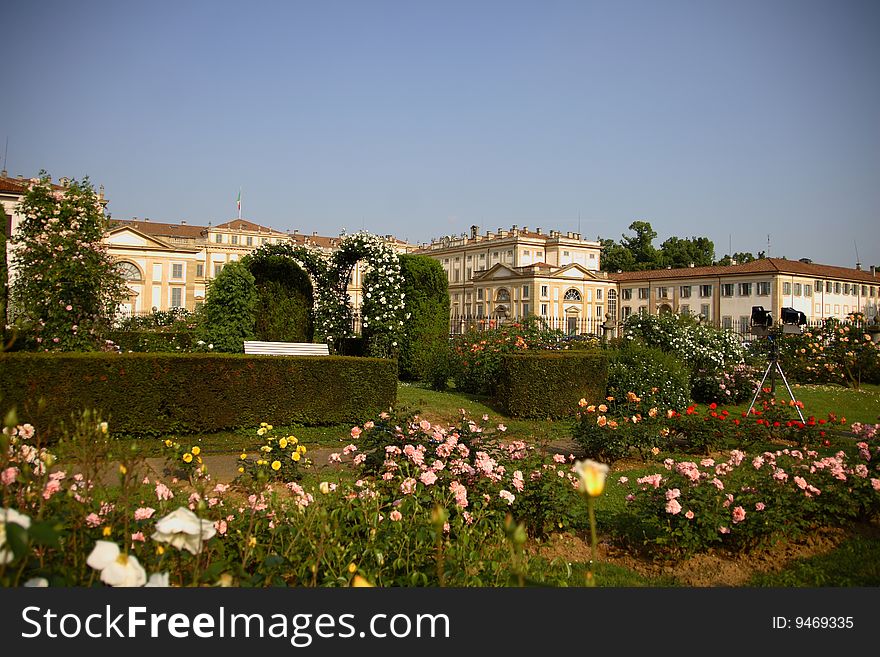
641	245
739	257
678	252
616	257
227	318
66	288
427	306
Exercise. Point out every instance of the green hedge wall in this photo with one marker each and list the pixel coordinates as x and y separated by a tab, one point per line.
151	341
160	393
550	384
427	329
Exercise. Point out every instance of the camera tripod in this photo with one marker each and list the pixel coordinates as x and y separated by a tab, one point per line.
771	370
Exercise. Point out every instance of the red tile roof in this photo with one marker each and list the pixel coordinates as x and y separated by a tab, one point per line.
159	229
19	185
244	224
762	266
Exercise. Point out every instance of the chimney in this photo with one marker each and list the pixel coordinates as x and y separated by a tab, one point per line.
525	229
182	222
296	231
314	233
873	270
474	230
858	266
146	218
692	264
540	231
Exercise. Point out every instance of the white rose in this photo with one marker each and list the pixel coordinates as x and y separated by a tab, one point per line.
183	529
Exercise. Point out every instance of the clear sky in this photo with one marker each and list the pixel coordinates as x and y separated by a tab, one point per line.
732	120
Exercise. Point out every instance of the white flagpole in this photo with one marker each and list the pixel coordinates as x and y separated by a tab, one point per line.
239	202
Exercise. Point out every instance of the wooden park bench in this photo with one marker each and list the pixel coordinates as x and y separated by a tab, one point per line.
286	349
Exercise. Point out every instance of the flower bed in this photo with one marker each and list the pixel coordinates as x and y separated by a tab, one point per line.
438	510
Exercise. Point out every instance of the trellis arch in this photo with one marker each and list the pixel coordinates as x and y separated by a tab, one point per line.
383	311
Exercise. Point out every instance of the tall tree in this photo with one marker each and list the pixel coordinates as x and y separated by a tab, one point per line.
678	252
227	318
739	258
65	286
616	257
641	245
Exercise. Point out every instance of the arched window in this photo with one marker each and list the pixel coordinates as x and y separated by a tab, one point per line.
503	295
129	271
572	295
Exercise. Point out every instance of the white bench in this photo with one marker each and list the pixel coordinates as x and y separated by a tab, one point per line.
286	349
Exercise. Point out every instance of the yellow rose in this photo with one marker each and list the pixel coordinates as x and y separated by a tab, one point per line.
268	427
240	470
592	475
301	448
243	456
167	443
295	456
261	431
282	443
276	465
352	568
107	531
195	450
187	458
293	439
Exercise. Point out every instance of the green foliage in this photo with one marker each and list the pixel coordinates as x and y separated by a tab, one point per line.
698	345
4	275
228	313
284	300
637	253
475	356
156	393
152	341
173	320
739	258
658	378
549	384
835	352
676	252
745	500
66	287
279	458
427	304
731	386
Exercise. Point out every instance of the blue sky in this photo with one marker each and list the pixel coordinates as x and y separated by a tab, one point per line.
733	120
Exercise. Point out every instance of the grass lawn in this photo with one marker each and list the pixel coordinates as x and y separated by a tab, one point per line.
855	405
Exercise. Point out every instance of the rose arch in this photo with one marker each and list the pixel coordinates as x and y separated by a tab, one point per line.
383	310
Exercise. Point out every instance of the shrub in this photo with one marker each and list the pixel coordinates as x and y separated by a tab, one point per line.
284	300
427	305
159	393
475	357
66	286
549	384
835	352
468	471
744	500
151	341
228	313
731	386
660	379
698	345
174	320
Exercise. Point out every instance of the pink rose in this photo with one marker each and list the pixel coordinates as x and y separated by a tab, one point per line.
739	514
395	515
673	507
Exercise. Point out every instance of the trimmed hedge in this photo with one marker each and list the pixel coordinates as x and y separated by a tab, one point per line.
427	329
550	384
151	341
161	393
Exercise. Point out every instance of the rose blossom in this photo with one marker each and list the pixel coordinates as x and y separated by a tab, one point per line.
739	514
673	507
